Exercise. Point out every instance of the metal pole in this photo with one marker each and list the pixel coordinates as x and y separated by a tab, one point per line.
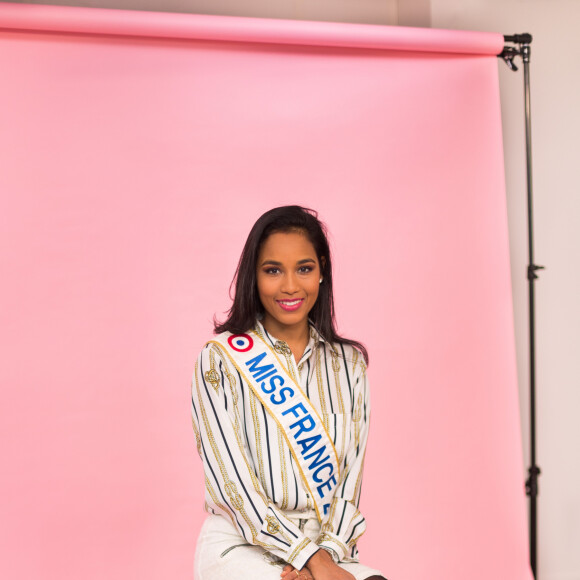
533	471
508	54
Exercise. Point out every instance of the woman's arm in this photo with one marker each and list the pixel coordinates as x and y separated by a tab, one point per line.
344	523
232	488
320	566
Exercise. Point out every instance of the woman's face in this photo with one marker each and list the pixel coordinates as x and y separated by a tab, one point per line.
288	276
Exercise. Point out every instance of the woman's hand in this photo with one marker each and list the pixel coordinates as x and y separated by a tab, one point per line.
291	573
322	567
319	567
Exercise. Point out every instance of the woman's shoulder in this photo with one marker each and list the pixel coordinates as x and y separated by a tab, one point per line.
212	344
347	352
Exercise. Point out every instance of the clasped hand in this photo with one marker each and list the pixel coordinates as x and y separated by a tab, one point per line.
319	567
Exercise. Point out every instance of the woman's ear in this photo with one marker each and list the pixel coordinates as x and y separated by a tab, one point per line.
322	267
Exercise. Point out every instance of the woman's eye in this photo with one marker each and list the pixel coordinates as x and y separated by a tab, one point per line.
305	269
272	270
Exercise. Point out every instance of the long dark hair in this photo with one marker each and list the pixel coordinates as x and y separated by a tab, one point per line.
247	307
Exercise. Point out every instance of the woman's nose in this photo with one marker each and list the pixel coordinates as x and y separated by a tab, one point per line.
290	284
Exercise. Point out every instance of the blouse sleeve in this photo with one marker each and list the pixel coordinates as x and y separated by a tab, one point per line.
344	524
232	489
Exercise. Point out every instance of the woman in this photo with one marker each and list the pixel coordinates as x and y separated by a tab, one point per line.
280	409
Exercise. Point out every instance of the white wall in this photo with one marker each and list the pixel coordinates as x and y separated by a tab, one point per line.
555	129
401	12
362	11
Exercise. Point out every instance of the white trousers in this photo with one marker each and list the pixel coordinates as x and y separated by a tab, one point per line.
222	554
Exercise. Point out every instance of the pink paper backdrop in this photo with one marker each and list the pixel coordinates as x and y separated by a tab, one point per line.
131	170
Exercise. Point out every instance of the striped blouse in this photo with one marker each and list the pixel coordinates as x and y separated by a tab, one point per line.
251	477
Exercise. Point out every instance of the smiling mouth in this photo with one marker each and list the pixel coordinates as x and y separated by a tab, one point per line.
290	305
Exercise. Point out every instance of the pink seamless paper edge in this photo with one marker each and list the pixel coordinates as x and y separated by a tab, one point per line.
238	29
105	501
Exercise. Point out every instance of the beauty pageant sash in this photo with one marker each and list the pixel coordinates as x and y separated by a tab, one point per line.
284	400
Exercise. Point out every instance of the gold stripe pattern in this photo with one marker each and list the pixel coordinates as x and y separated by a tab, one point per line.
321	394
336	368
212	376
256	422
357	416
329	538
297	550
282	447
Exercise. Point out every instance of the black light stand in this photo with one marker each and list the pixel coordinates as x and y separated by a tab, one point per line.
520	46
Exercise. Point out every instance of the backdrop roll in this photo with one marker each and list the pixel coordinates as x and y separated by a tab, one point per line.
135	154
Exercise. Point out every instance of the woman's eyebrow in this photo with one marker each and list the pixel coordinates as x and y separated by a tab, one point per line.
300	262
